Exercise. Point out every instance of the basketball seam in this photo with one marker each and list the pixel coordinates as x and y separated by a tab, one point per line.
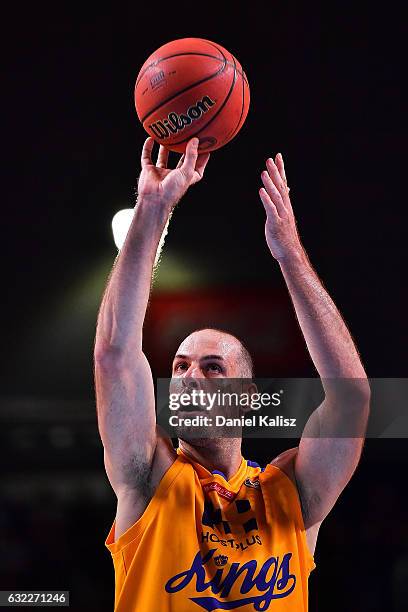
216	114
242	111
163	102
244	80
218	49
219	59
166	57
224	141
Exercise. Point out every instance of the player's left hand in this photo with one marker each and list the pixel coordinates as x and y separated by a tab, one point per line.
280	228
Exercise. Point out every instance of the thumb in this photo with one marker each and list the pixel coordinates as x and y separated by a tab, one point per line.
190	158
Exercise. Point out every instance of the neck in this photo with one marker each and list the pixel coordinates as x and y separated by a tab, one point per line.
223	454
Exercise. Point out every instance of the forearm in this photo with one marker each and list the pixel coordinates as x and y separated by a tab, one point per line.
328	340
123	308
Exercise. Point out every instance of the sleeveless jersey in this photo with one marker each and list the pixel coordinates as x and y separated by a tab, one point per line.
204	543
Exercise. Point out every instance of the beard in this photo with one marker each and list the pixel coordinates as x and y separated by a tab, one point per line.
206	428
211	445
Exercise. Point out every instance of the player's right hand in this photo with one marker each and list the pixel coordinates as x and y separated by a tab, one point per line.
166	185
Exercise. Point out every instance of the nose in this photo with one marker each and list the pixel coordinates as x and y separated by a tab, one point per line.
194	371
190	384
191	377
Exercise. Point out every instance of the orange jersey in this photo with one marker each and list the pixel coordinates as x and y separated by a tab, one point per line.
205	543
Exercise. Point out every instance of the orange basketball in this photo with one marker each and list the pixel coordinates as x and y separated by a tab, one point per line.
192	87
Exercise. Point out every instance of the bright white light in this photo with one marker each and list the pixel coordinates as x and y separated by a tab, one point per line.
120	225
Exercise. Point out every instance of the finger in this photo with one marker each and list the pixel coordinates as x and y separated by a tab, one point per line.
269	206
147	152
273	193
180	161
202	161
276	177
162	157
281	167
190	158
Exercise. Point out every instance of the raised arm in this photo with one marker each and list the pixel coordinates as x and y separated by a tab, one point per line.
123	381
326	459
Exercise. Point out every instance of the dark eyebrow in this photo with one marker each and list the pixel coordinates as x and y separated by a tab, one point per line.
203	358
180	357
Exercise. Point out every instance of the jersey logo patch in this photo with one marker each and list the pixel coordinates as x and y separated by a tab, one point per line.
215	486
255	484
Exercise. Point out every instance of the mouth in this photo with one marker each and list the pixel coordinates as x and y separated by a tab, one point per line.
191	410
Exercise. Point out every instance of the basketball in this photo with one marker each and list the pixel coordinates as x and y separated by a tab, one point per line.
192	87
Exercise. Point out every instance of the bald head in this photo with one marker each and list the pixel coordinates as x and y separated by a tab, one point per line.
214	352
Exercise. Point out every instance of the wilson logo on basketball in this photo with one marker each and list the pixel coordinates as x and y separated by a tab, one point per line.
174	123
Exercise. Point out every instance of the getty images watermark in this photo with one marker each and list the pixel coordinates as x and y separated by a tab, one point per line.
189	402
221	407
281	407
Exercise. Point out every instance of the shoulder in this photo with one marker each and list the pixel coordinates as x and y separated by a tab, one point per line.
164	457
133	501
286	462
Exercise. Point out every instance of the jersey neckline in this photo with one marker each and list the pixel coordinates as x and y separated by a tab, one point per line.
206	476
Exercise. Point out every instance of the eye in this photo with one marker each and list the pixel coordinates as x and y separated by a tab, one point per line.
181	366
214	367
